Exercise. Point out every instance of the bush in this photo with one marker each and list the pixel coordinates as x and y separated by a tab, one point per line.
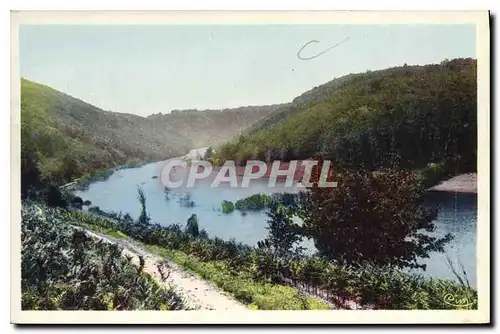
55	198
434	173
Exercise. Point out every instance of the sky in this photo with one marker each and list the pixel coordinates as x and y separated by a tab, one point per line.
147	69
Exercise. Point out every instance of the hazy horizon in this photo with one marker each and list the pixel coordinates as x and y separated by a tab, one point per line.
148	69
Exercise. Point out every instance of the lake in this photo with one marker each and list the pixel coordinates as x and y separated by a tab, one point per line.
457	213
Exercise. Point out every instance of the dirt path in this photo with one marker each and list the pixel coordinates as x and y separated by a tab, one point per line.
197	293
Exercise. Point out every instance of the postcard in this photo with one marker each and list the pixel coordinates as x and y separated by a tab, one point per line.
250	167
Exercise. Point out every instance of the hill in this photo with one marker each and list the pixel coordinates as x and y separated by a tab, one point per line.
213	127
414	115
70	137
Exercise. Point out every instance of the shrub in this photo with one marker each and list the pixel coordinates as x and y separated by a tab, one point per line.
55	198
227	207
254	202
372	216
64	269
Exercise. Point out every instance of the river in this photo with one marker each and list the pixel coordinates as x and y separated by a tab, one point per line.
457	213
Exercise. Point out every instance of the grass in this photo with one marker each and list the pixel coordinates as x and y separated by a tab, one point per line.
116	234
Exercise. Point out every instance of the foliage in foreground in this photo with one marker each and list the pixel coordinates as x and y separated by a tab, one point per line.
64	269
422	114
258	202
371	216
231	265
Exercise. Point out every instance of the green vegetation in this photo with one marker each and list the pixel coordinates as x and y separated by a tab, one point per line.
98	175
283	233
258	295
201	128
227	207
102	175
434	173
253	275
143	217
254	202
382	212
66	138
391	134
63	269
261	294
208	153
410	116
192	226
258	202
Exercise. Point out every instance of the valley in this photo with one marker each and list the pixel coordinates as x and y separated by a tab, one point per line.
392	135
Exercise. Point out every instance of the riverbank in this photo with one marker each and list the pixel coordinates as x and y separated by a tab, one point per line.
463	183
250	274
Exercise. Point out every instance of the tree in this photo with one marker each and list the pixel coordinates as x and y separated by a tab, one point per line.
372	216
192	226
